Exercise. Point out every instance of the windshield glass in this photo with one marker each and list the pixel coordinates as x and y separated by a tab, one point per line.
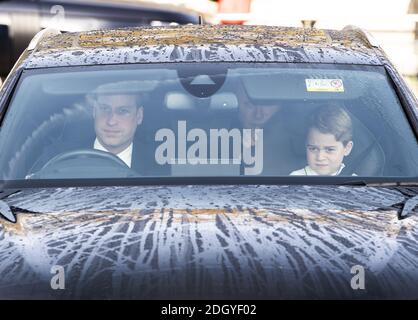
196	120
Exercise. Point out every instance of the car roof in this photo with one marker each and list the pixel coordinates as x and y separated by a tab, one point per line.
204	43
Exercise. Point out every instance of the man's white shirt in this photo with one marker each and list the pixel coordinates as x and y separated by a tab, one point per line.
307	171
125	155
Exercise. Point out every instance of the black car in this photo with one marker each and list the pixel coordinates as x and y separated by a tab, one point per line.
20	20
208	162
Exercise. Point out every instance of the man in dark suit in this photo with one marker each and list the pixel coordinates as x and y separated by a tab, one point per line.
118	112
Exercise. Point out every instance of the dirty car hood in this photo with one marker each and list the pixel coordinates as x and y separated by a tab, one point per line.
209	242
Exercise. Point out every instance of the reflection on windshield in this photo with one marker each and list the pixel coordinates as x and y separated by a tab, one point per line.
220	120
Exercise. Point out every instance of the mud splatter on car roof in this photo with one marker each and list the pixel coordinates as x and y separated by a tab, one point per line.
197	35
207	43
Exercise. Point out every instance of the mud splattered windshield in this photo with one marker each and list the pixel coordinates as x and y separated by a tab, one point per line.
206	120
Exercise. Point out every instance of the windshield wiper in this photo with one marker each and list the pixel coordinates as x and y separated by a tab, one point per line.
408	206
5	211
409	203
366	183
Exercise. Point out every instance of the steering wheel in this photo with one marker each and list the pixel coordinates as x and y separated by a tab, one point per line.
84	163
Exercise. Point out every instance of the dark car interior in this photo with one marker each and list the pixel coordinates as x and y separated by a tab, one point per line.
66	119
75	122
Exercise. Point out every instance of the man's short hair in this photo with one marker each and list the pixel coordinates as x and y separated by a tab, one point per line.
134	88
333	119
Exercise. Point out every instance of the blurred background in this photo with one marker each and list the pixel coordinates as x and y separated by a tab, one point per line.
394	23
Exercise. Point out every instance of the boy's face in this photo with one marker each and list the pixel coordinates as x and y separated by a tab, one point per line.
324	153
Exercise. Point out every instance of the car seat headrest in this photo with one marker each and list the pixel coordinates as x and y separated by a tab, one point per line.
177	100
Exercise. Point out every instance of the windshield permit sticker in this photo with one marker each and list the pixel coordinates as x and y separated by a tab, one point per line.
324	85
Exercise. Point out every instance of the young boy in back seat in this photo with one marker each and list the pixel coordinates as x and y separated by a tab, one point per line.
329	140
